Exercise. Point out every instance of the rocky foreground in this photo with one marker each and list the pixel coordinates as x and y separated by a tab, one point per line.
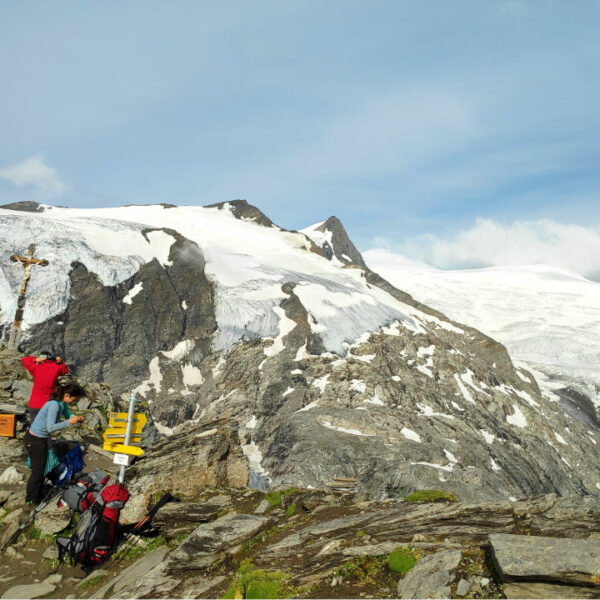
316	544
226	540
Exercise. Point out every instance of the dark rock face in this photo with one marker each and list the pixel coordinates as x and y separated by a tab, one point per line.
24	206
579	406
107	339
245	212
341	245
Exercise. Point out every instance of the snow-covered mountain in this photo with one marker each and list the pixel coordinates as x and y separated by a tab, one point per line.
548	318
320	367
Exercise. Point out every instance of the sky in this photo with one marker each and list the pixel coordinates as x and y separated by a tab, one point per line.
420	124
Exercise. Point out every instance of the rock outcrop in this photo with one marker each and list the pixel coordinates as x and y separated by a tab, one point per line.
326	545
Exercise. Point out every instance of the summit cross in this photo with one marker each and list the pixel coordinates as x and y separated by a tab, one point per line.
27	262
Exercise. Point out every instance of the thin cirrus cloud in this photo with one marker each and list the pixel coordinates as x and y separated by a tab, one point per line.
34	172
489	243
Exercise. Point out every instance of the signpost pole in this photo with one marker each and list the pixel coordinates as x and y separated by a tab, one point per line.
130	417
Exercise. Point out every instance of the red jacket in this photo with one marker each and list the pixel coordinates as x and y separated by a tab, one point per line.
45	375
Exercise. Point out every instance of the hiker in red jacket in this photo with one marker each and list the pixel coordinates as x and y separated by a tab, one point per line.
45	371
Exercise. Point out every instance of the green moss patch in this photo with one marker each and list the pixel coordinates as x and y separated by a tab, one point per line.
274	498
258	583
431	496
401	561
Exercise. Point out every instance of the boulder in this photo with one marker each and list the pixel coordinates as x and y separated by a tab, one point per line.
21	389
51	552
11	476
53	519
462	587
431	577
11	523
53	579
547	559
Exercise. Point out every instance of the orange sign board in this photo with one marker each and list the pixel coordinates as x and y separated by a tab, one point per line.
7	426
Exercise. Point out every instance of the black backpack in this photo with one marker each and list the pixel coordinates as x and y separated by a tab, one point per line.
94	536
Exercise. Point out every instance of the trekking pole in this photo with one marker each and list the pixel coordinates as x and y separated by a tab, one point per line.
167	497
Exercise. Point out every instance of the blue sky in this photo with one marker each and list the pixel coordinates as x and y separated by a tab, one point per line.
409	120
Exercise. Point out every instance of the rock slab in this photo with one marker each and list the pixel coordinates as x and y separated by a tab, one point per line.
134	573
209	542
35	590
547	559
547	590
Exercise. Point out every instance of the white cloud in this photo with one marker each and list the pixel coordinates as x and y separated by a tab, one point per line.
34	172
489	243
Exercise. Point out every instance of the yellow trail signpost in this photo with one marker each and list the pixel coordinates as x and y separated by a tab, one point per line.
122	449
124	430
116	419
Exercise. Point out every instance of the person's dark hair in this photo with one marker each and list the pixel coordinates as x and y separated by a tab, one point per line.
74	389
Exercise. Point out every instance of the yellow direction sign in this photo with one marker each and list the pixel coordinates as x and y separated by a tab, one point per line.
123	449
118	433
120	420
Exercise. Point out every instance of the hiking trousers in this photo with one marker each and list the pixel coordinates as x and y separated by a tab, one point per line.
37	449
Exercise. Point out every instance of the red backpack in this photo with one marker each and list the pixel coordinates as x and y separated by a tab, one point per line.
93	538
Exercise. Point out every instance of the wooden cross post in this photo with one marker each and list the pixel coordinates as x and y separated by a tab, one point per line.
28	262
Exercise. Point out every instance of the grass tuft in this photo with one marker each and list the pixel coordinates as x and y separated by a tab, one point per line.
431	496
92	582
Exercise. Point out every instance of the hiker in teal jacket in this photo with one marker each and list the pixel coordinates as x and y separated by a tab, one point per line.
47	421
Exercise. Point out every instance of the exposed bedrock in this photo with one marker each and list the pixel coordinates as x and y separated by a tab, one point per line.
107	337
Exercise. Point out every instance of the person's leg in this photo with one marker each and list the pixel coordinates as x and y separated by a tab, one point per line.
37	451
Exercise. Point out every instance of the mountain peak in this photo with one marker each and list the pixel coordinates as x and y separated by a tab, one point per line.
332	238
